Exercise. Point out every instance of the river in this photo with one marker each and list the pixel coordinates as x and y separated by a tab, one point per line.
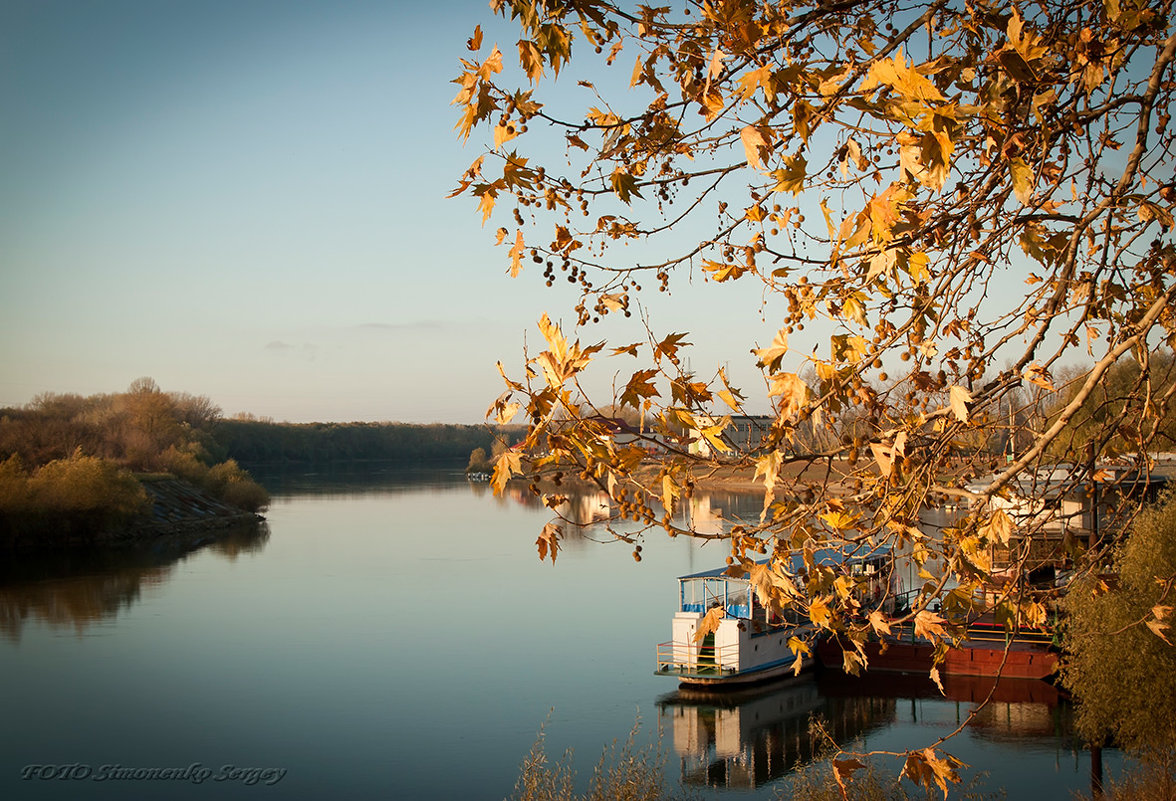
391	633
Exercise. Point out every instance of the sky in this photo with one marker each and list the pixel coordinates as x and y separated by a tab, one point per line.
245	199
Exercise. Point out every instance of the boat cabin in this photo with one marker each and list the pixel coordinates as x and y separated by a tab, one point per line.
751	642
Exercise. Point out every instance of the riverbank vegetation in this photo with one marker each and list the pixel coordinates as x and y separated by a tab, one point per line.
1120	653
627	771
70	466
68	463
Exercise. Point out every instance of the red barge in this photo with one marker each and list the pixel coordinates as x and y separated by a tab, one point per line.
986	652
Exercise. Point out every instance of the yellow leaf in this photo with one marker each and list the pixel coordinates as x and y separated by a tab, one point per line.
614	51
508	464
930	625
924	768
793	393
802	115
879	622
504	133
843	769
768	467
917	267
491	65
624	185
712	434
999	527
790	178
516	255
769	358
669	347
754	79
669	492
838	520
1036	374
548	541
799	647
474	43
727	397
555	338
904	78
486	203
1022	175
1149	211
720	271
507	412
716	64
753	143
960	398
819	613
934	675
884	456
709	623
829	220
1157	626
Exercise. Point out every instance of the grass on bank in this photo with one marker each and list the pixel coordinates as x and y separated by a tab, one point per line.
629	772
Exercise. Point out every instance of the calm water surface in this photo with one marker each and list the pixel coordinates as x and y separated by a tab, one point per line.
392	634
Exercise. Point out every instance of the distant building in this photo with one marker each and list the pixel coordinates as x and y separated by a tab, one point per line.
745	434
1061	513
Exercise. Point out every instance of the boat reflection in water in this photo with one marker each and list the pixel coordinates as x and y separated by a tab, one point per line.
1025	711
77	588
745	739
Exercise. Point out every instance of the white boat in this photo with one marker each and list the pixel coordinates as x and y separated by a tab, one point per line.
751	643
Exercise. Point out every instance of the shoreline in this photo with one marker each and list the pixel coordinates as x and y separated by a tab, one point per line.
177	509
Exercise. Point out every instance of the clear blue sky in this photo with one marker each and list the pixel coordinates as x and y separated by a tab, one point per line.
245	199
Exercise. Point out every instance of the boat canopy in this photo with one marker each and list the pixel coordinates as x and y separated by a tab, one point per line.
698	592
821	556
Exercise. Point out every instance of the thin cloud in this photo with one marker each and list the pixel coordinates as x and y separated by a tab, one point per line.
306	350
419	325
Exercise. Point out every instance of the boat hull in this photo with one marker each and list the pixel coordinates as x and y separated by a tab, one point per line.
1023	661
745	678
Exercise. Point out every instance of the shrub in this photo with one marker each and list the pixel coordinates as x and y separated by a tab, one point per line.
233	485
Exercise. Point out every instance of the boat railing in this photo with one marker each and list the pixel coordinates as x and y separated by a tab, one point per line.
987	631
688	659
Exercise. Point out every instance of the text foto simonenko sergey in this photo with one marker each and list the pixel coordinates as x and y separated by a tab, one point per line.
195	773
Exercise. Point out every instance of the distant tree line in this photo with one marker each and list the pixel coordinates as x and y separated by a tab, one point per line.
68	462
256	442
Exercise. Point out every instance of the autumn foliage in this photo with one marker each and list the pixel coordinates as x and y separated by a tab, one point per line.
960	218
69	461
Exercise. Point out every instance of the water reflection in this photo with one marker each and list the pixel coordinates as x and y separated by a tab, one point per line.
1025	711
707	512
81	587
359	478
748	739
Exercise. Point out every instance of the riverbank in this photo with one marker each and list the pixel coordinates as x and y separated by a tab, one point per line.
174	508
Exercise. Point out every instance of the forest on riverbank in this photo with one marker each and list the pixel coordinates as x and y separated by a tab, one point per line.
74	466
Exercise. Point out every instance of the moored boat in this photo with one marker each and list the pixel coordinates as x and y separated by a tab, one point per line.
750	642
987	652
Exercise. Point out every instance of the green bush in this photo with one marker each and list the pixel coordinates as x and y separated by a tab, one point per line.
80	495
233	485
86	485
1119	662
